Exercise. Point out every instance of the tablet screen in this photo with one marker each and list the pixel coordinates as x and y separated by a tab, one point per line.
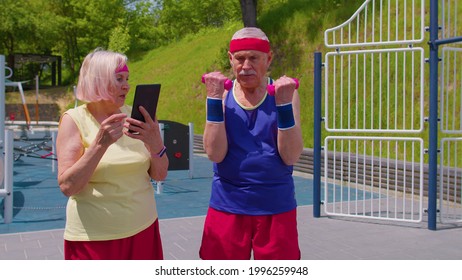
147	96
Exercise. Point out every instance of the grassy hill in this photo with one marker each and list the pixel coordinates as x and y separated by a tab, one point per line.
295	29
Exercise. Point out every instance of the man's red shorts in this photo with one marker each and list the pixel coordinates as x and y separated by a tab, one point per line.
145	245
233	237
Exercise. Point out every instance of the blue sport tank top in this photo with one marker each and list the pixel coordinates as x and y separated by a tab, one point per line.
252	179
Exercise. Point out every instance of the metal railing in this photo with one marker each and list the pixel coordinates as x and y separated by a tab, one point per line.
380	22
374	177
451	90
361	83
450	180
371	89
379	92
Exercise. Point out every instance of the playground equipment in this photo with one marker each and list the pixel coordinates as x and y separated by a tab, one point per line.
21	92
44	149
12	148
7	173
179	140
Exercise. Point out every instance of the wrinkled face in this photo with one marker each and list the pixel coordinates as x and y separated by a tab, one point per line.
250	67
121	89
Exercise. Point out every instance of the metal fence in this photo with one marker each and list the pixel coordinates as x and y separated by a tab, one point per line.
374	177
379	105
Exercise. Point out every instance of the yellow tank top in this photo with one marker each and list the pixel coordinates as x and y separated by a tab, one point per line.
118	201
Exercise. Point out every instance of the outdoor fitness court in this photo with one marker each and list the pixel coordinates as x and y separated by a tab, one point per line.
39	217
379	196
40	205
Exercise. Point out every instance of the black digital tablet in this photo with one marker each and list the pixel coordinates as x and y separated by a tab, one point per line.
146	95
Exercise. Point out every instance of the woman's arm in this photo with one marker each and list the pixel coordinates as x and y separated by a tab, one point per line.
75	165
149	133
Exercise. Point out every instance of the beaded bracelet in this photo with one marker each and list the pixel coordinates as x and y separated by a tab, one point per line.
161	153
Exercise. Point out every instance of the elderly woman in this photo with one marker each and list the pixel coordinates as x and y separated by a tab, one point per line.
106	171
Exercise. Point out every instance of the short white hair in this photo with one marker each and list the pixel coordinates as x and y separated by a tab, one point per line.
97	75
250	32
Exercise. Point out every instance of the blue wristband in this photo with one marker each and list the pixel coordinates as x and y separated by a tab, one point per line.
215	110
285	116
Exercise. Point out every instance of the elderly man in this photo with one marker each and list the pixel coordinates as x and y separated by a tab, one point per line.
254	139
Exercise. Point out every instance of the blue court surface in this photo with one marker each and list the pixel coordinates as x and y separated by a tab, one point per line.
40	205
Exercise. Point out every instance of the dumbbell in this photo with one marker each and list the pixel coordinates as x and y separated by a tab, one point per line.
271	88
228	83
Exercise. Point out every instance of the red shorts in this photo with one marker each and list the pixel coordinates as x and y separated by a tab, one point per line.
233	237
145	245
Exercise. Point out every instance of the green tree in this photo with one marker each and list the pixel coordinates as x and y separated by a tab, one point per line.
179	18
24	27
84	25
143	25
119	41
72	28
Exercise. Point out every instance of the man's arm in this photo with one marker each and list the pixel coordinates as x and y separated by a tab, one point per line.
290	141
214	140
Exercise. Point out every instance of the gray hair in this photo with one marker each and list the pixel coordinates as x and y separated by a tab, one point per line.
97	75
250	32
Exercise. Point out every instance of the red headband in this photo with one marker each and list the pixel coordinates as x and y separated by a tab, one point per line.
122	69
249	44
